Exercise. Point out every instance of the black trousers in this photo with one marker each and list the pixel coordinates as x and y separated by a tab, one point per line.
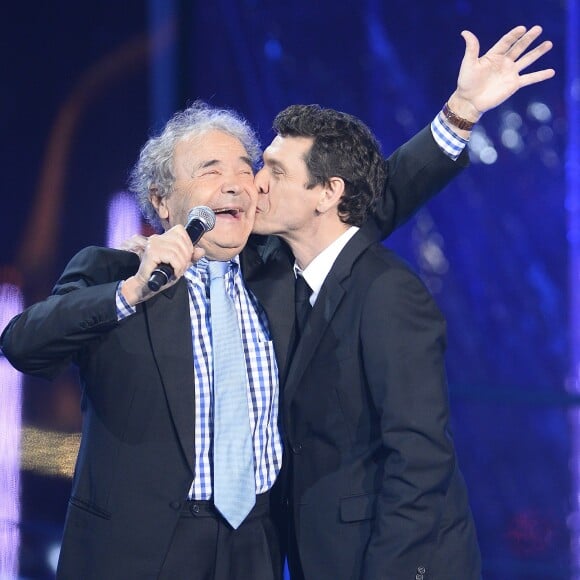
205	547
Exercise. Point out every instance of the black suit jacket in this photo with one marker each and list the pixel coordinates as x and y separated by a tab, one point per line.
376	490
134	466
135	462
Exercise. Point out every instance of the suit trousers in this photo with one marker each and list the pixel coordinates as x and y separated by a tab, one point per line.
205	547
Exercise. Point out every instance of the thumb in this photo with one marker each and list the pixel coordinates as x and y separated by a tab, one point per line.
471	46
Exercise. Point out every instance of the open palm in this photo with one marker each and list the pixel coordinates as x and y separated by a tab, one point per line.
489	80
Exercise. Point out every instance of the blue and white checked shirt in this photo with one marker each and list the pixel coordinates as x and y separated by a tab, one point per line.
262	377
451	144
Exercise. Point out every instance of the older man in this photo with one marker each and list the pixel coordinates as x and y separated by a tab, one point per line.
143	502
140	504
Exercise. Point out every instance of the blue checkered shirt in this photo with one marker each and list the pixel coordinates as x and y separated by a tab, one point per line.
450	143
262	372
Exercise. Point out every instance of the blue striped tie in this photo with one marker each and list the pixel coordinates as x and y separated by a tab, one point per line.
234	483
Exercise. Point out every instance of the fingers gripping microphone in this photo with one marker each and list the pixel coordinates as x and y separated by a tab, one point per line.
200	220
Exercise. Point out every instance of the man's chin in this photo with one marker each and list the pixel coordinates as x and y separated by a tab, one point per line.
222	254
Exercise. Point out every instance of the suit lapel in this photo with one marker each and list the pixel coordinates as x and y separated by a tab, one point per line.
267	270
169	328
330	297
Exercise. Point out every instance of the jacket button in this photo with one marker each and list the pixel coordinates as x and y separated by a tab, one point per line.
421	569
419	577
297	448
194	508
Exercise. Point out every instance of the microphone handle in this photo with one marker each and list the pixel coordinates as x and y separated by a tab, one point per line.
163	272
160	276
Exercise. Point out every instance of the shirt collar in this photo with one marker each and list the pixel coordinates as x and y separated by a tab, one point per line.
317	271
199	269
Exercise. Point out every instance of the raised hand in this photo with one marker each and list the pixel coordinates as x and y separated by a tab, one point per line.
486	81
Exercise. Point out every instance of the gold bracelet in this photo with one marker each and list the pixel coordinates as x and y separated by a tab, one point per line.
456	120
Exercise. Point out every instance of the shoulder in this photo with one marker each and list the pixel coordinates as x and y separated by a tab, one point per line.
96	265
386	264
391	281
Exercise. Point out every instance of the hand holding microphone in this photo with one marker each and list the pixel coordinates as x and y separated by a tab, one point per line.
201	219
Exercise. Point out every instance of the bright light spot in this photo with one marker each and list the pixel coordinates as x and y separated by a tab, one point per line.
124	219
488	155
511	139
539	111
433	255
11	303
512	120
478	141
52	555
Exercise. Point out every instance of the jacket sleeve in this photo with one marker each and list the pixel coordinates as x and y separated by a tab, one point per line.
403	355
416	171
46	337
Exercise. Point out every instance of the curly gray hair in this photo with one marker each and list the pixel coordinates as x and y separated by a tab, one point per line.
154	169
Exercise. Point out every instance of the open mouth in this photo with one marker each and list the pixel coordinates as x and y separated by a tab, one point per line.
232	211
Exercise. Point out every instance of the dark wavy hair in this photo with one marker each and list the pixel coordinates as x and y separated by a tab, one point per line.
343	146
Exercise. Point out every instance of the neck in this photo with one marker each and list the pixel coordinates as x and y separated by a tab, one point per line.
306	245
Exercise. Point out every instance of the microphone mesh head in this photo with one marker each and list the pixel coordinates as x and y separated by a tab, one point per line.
204	214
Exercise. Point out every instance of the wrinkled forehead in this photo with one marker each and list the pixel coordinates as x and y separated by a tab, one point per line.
212	146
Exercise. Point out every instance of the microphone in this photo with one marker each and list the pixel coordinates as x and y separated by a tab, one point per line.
200	220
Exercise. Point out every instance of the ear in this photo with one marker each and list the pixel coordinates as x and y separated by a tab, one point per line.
160	204
330	195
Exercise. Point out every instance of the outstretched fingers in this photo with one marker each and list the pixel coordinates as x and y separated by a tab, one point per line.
523	43
536	77
532	56
508	40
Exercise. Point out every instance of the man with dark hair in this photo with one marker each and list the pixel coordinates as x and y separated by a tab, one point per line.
374	487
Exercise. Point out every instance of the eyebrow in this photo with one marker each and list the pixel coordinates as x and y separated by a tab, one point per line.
212	162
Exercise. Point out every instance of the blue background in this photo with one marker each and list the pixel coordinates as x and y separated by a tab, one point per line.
85	85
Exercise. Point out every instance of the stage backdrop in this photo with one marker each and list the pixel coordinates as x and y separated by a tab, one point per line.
84	85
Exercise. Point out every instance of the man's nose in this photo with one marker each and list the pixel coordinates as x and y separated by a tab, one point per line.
232	186
260	182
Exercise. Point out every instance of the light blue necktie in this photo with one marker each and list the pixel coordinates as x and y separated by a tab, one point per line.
234	482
